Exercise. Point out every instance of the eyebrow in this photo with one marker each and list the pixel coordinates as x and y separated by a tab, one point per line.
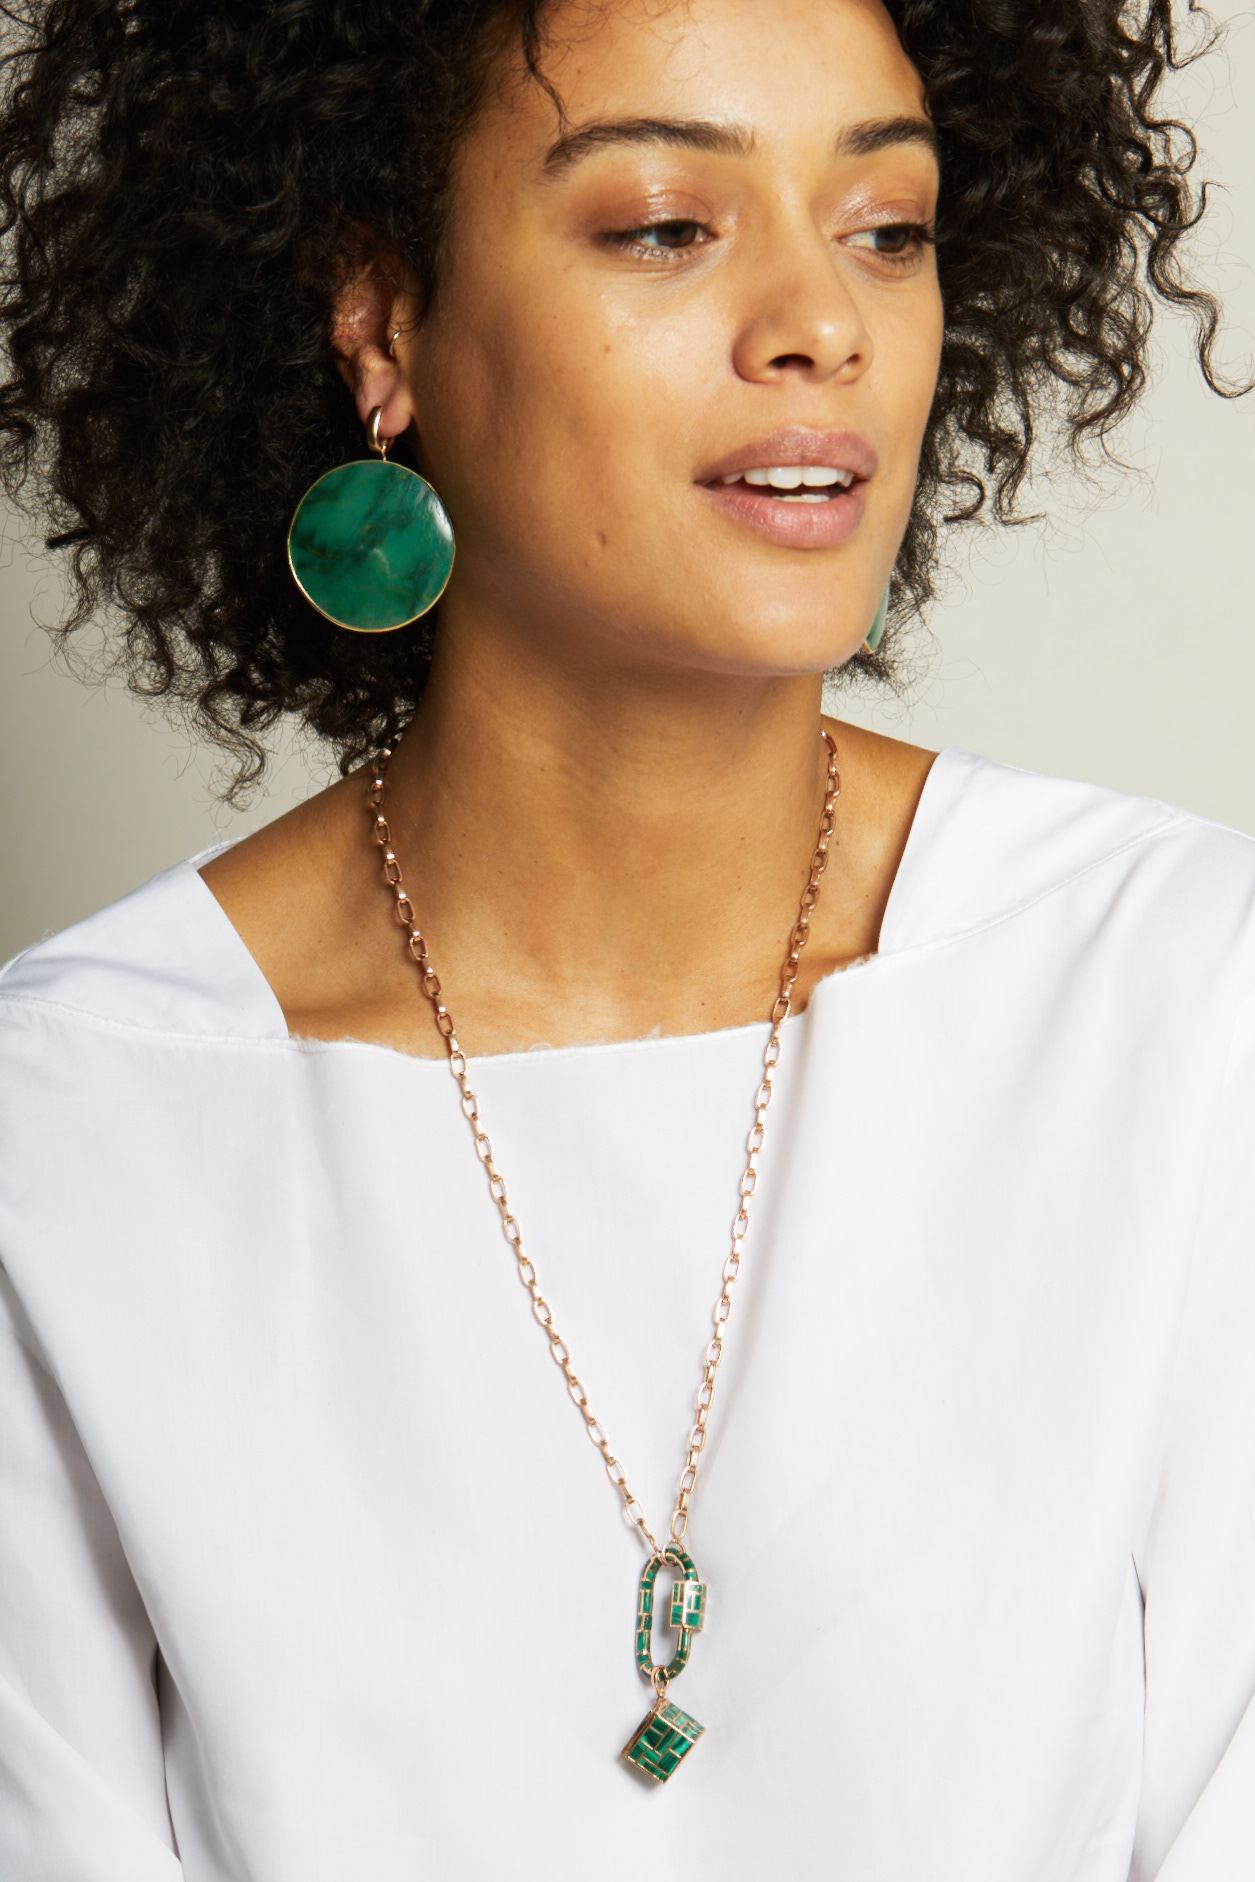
727	140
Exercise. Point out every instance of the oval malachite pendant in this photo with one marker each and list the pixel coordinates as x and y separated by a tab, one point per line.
370	545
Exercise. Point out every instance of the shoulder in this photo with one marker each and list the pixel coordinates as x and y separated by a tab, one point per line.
1015	836
161	958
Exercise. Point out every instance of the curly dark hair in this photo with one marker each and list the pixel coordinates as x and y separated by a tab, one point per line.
185	186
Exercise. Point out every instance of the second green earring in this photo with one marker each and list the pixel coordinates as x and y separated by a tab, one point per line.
370	544
876	631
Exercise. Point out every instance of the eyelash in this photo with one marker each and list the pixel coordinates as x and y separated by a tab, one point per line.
921	235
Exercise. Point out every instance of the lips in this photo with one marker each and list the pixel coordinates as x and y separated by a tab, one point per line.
790	525
797	444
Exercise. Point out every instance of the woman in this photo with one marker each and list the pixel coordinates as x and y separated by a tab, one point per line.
697	320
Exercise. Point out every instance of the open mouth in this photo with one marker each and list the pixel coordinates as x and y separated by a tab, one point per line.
814	508
822	487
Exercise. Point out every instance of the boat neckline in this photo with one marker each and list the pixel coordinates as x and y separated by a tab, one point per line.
862	968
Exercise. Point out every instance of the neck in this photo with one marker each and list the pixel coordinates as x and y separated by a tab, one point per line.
634	851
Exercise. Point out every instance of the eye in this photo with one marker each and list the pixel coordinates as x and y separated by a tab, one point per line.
907	241
630	242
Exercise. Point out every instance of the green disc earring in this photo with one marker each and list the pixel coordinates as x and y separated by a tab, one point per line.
877	628
370	544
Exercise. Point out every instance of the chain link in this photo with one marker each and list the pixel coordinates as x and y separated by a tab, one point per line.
558	1349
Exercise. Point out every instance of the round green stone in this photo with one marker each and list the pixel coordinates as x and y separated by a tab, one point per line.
370	545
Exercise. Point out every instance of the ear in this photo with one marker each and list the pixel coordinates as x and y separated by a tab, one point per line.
364	317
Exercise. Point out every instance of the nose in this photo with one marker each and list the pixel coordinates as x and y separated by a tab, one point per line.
798	312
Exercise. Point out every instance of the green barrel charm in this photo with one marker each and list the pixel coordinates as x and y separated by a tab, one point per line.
663	1738
667	1733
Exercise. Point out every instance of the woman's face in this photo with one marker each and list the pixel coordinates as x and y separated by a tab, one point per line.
582	377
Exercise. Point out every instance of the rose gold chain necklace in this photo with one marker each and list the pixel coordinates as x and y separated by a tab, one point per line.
667	1733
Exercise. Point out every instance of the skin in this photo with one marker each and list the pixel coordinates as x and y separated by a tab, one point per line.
605	809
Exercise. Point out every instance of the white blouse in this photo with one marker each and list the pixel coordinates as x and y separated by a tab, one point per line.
309	1571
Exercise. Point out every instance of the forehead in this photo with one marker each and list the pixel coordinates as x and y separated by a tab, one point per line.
786	71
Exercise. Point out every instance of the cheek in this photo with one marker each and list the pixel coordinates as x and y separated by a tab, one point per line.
541	430
548	391
910	342
908	356
592	416
552	411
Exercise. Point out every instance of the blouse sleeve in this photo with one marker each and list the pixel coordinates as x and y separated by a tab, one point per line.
1196	1820
82	1782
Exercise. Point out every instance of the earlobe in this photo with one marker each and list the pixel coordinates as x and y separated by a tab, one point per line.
377	380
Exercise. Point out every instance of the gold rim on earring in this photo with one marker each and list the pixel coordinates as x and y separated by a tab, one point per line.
440	551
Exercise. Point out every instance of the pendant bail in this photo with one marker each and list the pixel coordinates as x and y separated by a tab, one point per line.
671	1555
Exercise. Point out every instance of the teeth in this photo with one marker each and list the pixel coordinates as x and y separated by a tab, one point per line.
790	476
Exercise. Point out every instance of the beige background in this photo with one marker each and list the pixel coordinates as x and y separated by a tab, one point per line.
1117	644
